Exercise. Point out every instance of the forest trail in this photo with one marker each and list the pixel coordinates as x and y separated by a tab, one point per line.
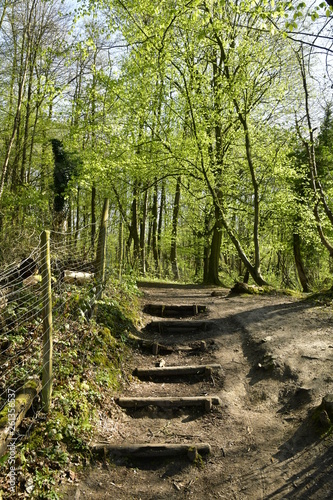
276	355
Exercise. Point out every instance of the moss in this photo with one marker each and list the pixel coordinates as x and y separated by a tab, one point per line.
322	297
101	359
30	388
108	338
199	461
4	417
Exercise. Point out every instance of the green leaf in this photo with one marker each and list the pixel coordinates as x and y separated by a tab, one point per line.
314	16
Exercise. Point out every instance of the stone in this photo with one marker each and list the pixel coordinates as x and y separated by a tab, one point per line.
324	419
327	404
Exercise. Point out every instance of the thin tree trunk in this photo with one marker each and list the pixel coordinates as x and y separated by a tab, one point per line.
299	262
77	224
93	217
143	233
26	126
160	220
120	246
212	271
26	35
134	235
154	229
175	215
206	248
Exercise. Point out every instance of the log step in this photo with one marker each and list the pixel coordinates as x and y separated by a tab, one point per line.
174	311
174	371
169	402
153	450
178	326
157	348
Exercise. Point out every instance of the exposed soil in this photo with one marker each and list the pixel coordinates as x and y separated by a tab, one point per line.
276	354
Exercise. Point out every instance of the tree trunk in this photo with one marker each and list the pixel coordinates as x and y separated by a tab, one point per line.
27	123
154	229
212	273
120	252
134	235
299	263
25	49
93	217
160	220
143	233
175	215
206	246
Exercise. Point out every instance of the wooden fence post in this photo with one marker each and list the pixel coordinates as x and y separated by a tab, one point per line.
101	249
47	322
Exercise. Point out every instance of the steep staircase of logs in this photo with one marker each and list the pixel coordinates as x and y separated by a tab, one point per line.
170	327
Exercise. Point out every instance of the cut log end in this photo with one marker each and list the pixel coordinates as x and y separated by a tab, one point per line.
79	278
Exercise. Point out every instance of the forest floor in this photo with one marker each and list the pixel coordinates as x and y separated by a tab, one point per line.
276	354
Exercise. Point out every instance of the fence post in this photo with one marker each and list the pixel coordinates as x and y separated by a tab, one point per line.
47	322
101	249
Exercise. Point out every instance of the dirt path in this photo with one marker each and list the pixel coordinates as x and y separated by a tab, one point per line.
277	359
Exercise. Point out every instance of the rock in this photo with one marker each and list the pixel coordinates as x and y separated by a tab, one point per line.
303	395
203	346
324	419
327	404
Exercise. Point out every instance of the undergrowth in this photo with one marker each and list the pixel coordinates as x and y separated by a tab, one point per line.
89	368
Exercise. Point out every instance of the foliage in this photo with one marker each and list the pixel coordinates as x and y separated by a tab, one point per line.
89	369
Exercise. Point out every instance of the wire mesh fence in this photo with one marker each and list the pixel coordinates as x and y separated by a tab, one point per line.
26	349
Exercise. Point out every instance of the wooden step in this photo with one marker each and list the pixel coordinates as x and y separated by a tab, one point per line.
169	402
170	327
176	371
153	450
157	348
174	311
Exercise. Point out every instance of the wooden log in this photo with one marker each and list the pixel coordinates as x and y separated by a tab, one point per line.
192	454
167	402
33	280
101	250
177	326
157	348
15	410
78	278
174	371
47	371
153	450
175	311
